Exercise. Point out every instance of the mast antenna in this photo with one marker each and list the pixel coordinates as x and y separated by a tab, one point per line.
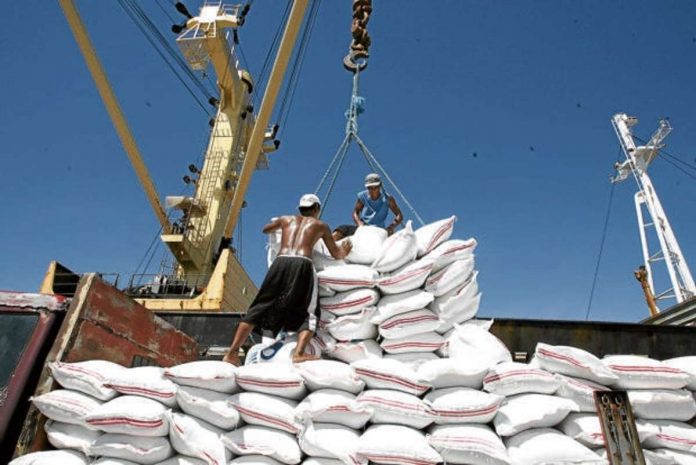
638	158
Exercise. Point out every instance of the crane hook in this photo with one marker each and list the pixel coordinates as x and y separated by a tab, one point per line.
355	60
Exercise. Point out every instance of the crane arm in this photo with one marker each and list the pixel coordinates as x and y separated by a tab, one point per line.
114	109
269	97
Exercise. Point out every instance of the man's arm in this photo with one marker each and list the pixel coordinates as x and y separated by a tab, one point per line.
275	223
339	253
356	212
398	217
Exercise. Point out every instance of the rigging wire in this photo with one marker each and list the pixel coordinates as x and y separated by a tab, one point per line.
262	75
150	249
176	56
601	244
171	18
288	97
689	174
335	165
673	160
334	159
152	34
367	153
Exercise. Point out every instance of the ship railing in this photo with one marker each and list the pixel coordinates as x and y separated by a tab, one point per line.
192	42
162	286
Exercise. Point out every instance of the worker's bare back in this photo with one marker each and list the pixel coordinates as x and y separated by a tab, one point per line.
300	233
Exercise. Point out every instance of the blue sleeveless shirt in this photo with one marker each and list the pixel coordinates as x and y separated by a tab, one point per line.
374	212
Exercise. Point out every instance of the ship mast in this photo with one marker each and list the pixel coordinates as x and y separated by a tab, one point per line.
638	159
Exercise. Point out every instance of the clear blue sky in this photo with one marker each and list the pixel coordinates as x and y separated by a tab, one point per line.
458	93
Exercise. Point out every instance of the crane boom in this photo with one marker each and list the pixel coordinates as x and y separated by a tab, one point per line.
274	81
207	275
114	109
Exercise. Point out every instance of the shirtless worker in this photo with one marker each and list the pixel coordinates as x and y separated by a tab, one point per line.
287	299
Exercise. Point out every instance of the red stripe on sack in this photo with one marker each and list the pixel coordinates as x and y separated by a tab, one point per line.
467	283
669	438
351	303
402	345
127	421
392	403
465	413
392	379
414	319
276	421
637	369
277	384
404	276
150	392
440	232
566	358
338	408
508	374
209	457
457	249
467	440
80	370
436	277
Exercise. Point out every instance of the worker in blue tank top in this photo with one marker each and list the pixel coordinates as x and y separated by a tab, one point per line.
373	206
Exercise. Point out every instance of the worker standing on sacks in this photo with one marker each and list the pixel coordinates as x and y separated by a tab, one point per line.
373	205
287	299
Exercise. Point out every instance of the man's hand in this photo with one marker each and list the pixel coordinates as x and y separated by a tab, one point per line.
346	247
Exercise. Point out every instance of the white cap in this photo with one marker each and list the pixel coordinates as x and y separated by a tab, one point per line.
308	200
373	179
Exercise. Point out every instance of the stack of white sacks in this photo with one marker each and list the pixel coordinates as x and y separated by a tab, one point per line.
409	378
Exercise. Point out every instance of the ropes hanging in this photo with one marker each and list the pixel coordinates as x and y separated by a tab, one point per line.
328	180
355	62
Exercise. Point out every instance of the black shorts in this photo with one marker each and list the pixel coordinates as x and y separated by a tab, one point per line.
287	299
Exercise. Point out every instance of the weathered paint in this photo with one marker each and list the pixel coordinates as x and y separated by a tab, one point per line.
103	323
32	301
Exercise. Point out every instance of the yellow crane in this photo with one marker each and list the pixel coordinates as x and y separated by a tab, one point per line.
208	276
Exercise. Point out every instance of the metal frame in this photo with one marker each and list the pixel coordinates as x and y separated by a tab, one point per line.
638	158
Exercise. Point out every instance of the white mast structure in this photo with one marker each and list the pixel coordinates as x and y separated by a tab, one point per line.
638	158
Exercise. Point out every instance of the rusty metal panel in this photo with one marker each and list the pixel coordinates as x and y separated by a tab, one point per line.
103	323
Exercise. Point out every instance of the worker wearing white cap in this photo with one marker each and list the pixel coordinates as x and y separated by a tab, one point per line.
287	299
373	205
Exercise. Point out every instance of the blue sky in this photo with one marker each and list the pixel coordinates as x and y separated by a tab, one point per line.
495	111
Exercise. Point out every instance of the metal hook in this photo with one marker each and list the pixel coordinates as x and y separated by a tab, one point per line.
355	60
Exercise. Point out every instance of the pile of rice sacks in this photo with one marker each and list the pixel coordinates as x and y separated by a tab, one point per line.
408	377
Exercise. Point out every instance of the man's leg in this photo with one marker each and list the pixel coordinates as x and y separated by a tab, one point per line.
232	355
303	338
